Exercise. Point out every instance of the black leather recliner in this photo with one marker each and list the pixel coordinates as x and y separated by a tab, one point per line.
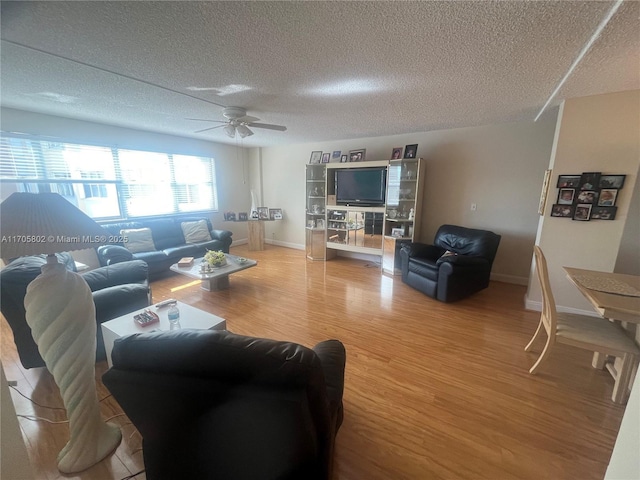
457	265
117	289
211	404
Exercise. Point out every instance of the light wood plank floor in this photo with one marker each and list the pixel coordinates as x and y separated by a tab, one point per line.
432	390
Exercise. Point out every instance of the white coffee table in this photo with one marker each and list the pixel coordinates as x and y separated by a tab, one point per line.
218	278
190	317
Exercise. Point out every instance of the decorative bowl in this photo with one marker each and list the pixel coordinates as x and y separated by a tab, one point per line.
241	260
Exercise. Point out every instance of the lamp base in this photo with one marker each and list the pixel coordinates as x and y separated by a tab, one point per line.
62	316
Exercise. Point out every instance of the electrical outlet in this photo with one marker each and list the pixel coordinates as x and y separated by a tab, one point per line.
474	207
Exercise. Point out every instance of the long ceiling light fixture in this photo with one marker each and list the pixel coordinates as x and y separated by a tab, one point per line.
582	53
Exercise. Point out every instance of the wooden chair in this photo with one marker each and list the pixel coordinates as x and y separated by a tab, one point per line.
591	333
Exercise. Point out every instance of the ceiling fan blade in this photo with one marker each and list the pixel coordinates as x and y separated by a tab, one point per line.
207	129
206	120
247	119
268	126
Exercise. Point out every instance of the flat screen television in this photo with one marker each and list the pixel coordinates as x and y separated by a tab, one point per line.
361	186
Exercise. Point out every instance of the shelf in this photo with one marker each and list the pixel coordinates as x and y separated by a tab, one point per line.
399	220
313	196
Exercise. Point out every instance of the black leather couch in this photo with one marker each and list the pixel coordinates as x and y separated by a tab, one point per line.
117	290
457	265
211	404
169	241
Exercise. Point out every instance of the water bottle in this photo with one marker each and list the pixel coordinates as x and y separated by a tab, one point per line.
174	315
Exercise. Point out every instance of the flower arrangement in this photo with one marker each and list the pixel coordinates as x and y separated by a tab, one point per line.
215	258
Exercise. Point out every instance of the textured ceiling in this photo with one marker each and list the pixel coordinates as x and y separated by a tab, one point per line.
326	70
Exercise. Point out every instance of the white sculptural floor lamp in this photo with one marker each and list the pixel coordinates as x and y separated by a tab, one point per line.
61	314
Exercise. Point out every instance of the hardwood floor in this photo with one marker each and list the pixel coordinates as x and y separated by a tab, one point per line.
432	390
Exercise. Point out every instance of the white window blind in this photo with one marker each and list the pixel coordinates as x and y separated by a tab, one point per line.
107	182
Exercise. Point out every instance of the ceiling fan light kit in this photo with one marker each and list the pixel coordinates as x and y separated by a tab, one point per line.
230	131
244	131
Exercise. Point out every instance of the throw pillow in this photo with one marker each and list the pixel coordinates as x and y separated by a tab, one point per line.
138	240
195	232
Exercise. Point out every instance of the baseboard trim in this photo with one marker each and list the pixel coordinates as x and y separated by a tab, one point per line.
279	243
499	277
242	241
536	306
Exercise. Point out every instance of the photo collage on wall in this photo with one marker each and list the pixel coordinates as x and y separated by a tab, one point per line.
589	196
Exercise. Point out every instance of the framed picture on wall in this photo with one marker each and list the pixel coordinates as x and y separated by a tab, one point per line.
325	157
587	196
565	196
589	180
396	153
344	159
604	213
582	212
612	181
568	181
607	197
565	211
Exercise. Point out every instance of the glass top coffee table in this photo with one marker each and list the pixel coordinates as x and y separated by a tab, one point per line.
218	277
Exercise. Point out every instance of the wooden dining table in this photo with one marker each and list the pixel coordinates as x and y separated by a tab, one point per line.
615	296
599	287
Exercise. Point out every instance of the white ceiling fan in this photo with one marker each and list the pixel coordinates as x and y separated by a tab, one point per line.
238	121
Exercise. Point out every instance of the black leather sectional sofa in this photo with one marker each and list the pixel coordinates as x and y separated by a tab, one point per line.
168	240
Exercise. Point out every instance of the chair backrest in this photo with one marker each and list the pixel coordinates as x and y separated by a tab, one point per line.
468	241
549	314
213	404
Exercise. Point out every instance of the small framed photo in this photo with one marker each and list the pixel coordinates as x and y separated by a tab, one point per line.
565	196
336	155
243	216
607	197
568	181
587	196
397	232
357	155
344	159
565	211
275	214
396	153
589	180
582	212
326	157
604	213
612	181
410	151
263	213
316	157
230	216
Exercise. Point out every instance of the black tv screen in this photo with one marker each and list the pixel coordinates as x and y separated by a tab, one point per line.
361	186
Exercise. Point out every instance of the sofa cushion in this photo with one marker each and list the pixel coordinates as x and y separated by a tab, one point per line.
187	250
195	232
166	233
424	267
151	257
138	239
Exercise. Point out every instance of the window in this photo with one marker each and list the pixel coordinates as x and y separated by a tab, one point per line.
106	182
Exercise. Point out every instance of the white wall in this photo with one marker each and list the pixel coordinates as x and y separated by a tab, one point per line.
232	165
498	167
600	133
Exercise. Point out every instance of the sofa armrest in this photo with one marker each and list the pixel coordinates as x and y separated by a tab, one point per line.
113	302
111	254
422	250
135	271
332	357
220	234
